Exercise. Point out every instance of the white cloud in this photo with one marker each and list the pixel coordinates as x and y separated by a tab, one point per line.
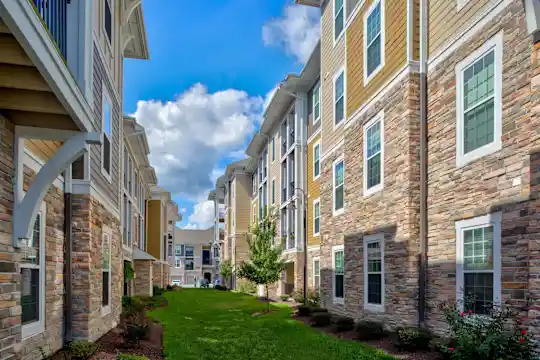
202	217
188	136
296	31
269	96
183	210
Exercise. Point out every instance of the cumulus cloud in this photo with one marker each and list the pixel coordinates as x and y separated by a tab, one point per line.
188	136
269	96
202	217
183	210
296	31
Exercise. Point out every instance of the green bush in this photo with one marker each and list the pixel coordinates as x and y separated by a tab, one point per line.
220	287
121	356
413	339
303	310
298	297
321	319
318	310
132	305
157	291
314	298
370	330
247	287
82	350
284	297
135	328
176	288
344	323
485	337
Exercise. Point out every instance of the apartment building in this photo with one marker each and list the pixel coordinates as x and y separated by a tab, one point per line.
426	191
196	257
219	221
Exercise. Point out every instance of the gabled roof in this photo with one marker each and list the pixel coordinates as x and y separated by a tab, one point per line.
134	31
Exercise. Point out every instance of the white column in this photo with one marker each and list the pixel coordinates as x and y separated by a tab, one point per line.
300	121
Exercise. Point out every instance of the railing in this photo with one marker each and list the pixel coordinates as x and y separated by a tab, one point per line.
292	189
284	194
54	16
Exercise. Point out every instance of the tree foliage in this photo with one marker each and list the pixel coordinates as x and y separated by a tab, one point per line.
225	270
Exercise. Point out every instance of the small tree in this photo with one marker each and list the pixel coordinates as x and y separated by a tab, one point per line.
265	265
225	270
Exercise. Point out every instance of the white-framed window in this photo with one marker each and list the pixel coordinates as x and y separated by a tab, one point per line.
316	103
339	97
374	155
338	283
339	18
316	217
125	167
273	148
142	244
80	168
106	135
479	102
273	191
374	40
317	160
33	278
478	262
374	272
108	19
339	186
316	274
106	273
189	263
177	262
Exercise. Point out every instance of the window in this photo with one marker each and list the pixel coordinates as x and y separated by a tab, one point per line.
478	262
189	251
273	191
373	40
273	148
316	103
189	263
108	20
216	251
338	262
254	182
339	178
373	155
33	279
106	271
142	244
177	262
77	168
106	136
125	222
316	217
339	18
374	272
179	250
478	103
339	97
316	274
316	160
206	257
125	168
169	249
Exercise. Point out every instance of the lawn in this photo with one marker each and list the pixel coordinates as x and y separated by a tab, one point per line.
210	324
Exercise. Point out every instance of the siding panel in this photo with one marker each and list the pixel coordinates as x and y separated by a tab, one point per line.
313	193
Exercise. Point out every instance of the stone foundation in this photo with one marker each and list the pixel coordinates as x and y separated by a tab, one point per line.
157	274
142	284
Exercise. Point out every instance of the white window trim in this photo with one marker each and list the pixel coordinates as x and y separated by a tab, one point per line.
313	272
369	124
273	149
367	240
495	43
461	4
273	195
317	86
337	248
336	76
318	143
368	78
494	220
37	327
342	210
106	97
105	310
108	41
340	35
317	201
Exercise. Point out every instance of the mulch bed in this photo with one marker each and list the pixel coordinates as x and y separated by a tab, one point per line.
385	344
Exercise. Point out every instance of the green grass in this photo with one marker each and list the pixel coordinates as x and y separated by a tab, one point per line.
209	324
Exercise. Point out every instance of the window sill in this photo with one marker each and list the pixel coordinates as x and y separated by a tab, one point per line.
317	177
374	189
338	212
368	78
339	37
106	175
105	310
340	124
338	301
376	308
488	149
32	329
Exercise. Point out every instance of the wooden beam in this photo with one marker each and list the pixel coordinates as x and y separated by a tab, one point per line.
40	120
33	101
4	29
22	77
12	52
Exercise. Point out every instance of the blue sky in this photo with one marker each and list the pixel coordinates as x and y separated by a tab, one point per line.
200	96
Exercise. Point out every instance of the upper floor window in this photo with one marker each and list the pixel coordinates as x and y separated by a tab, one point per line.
125	167
373	40
107	21
106	284
316	160
316	217
273	148
189	251
106	155
339	18
339	181
478	103
273	191
316	103
373	155
339	97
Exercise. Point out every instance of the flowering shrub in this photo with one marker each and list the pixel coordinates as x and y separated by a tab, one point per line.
485	337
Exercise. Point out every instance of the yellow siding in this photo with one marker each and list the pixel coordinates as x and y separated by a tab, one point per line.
254	208
313	193
43	149
446	22
395	56
242	209
154	228
332	59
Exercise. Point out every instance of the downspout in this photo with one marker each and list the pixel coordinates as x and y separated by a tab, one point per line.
68	261
423	165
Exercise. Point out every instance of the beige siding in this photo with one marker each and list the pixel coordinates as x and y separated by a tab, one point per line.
312	128
242	203
446	22
313	192
43	149
274	168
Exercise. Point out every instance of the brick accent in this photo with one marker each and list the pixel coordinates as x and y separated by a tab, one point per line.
143	277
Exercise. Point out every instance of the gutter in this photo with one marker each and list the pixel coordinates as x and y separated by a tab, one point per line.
68	260
422	256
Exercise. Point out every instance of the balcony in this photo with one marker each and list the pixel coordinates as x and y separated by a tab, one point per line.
54	16
283	194
292	188
221	216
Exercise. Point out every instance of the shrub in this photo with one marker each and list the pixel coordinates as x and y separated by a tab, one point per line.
370	330
176	288
132	305
284	297
318	310
156	290
247	287
485	337
220	287
298	297
314	298
169	288
321	319
413	339
82	350
136	328
121	356
303	310
344	323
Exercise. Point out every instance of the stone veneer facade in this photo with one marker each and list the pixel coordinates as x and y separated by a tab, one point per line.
143	278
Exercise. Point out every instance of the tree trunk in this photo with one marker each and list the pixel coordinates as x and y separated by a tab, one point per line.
267	299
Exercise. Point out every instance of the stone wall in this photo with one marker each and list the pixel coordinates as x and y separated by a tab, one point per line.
143	277
311	255
157	274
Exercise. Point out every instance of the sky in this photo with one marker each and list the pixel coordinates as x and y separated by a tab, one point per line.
213	66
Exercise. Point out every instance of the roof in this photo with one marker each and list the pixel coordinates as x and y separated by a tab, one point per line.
190	236
139	254
314	3
212	195
133	24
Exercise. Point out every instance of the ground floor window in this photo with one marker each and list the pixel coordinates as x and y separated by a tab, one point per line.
338	260
106	270
374	272
316	274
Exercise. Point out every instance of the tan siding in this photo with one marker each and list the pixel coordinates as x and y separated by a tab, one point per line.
313	193
445	22
274	168
242	209
332	59
312	128
416	30
43	149
254	209
395	53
